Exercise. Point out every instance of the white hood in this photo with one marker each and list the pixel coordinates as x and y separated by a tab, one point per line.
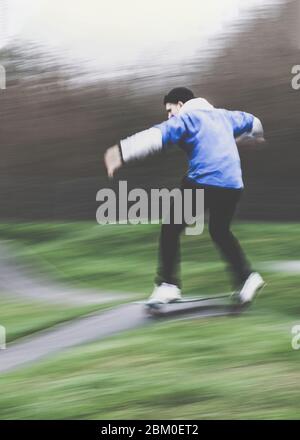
196	104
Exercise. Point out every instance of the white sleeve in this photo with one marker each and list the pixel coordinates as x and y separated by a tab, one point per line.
257	128
141	144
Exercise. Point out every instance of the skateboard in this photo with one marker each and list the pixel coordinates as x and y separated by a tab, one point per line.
220	302
185	300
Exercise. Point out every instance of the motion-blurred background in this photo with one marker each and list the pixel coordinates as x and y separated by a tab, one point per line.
81	77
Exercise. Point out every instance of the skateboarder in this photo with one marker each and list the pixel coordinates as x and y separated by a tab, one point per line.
209	136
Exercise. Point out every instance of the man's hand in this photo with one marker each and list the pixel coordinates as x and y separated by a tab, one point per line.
112	160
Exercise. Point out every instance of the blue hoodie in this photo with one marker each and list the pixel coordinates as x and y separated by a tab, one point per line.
207	135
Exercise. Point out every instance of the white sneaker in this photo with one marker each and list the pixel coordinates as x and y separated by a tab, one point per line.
165	293
251	287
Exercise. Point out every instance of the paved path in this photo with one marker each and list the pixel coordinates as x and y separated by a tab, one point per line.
15	277
18	278
63	336
98	326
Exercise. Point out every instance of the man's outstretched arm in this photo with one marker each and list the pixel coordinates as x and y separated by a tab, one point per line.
137	146
143	144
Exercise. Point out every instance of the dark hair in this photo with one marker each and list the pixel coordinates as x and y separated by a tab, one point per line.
178	94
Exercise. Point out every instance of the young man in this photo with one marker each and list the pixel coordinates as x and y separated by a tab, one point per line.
209	136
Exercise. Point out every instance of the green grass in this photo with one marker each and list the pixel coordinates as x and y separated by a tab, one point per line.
123	257
238	367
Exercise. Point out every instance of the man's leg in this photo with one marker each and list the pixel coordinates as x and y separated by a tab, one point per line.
169	251
169	246
167	279
222	205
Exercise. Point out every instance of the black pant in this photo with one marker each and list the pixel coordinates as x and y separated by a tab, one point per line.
221	204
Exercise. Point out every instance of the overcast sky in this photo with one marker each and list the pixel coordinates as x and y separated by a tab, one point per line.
109	33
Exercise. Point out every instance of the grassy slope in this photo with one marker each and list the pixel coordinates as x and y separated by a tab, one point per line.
123	257
216	368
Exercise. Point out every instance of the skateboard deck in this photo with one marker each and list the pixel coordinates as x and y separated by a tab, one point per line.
185	300
215	305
